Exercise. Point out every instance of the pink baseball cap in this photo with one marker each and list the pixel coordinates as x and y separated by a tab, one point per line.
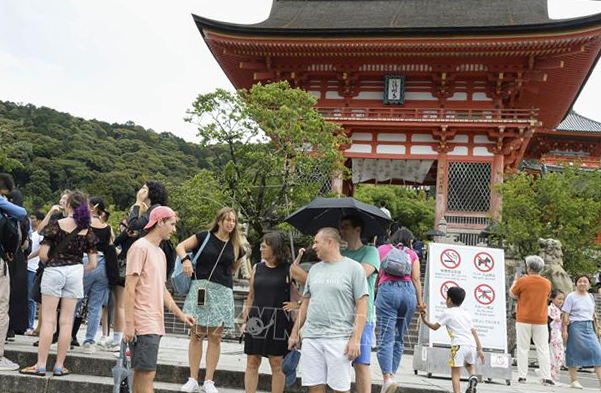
157	214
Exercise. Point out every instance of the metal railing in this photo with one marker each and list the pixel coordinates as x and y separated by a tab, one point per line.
429	114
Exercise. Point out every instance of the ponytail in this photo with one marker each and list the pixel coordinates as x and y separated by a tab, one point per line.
78	202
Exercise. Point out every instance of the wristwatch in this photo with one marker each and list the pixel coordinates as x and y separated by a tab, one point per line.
186	258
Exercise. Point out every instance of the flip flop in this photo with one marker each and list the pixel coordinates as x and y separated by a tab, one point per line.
34	370
60	372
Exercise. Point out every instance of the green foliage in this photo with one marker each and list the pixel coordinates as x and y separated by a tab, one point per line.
409	207
7	162
264	142
47	151
564	206
196	202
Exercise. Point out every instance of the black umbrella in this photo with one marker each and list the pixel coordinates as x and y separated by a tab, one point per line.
435	233
328	212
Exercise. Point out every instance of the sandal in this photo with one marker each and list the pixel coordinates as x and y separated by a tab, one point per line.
60	372
34	370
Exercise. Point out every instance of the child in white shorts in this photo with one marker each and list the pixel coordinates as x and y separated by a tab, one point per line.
465	343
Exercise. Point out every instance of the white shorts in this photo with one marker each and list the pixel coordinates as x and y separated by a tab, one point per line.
65	282
462	355
323	362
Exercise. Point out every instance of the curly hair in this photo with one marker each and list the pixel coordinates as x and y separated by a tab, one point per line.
6	182
277	242
157	193
78	202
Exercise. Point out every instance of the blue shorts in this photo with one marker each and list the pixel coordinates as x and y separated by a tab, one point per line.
366	340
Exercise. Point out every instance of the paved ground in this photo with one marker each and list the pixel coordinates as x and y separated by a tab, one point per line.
174	351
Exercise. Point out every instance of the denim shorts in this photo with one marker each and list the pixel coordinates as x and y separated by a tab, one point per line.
64	282
366	340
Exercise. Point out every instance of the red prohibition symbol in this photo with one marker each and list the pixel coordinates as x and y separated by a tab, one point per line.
484	294
445	287
450	258
484	262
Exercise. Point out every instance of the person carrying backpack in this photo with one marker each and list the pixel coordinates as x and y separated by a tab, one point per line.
7	211
399	292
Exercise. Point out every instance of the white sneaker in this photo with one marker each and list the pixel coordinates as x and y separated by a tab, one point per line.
89	348
209	387
390	386
576	385
110	346
7	365
102	341
190	386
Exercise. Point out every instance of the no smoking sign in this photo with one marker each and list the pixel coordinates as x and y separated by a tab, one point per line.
450	258
445	287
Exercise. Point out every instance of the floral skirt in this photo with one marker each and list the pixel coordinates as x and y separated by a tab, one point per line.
583	348
219	305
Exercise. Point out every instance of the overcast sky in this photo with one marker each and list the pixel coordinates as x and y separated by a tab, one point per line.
142	60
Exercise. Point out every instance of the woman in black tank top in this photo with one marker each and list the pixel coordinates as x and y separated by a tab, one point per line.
267	312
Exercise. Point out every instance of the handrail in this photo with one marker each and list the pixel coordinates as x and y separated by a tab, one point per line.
425	114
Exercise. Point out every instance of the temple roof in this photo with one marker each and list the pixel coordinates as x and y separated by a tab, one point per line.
575	122
404	17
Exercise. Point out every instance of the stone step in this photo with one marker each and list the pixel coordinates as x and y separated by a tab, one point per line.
75	383
92	373
100	364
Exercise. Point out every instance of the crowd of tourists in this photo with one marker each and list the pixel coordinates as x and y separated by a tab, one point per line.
76	268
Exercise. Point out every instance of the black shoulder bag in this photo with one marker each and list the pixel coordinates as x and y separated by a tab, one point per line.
36	289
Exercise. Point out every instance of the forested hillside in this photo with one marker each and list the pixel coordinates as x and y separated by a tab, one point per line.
57	151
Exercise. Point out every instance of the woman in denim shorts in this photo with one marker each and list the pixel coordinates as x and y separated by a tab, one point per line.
63	277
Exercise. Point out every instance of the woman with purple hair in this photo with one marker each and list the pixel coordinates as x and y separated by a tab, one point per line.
65	242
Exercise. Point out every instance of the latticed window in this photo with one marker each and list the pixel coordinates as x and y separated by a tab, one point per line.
469	187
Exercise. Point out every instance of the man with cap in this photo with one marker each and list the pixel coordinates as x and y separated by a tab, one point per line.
146	296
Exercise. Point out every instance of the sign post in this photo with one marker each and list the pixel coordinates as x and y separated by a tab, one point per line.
481	273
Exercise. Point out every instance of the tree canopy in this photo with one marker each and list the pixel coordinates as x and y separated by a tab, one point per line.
564	206
408	207
271	142
47	151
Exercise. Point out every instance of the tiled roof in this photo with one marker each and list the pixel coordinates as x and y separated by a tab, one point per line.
575	122
309	14
403	17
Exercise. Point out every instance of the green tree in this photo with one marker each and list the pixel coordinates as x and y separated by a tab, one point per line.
409	207
264	143
564	206
196	202
7	163
47	151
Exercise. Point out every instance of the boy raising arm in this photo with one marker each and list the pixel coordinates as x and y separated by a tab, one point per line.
465	343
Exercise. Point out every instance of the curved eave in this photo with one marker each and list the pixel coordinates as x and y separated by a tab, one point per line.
560	26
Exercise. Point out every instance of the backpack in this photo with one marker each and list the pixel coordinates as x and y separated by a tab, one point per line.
13	233
397	262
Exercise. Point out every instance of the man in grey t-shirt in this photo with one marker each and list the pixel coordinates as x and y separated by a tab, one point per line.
334	308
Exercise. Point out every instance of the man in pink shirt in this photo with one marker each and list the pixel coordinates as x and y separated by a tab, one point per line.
146	297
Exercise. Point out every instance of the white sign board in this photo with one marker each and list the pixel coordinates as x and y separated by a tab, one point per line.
481	273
